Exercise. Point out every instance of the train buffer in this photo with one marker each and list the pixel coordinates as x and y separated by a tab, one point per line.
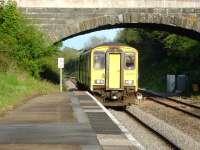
71	120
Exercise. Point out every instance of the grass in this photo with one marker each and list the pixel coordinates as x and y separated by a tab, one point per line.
16	87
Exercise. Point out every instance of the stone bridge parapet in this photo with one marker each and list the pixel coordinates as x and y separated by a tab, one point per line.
110	3
66	18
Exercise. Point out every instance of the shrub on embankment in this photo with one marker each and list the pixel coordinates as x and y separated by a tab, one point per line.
22	42
16	87
24	54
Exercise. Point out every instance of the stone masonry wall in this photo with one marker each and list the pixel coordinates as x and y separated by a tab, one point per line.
63	22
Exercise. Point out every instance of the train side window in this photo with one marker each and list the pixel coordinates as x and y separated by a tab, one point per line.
99	60
129	61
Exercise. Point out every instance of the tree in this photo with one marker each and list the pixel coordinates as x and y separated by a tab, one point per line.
94	41
23	42
162	53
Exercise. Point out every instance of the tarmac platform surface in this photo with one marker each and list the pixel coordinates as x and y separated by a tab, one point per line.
71	120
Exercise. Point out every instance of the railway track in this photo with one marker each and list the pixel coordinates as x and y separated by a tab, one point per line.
190	109
174	138
164	138
153	131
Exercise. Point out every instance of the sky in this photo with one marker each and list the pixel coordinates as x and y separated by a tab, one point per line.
78	42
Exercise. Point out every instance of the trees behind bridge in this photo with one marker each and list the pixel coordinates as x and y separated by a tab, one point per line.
163	53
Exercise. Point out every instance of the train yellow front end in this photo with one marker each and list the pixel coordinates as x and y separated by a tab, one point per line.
112	71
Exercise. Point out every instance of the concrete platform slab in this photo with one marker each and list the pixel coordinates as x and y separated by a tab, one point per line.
39	147
93	110
118	148
51	133
91	107
47	122
44	109
84	98
72	120
90	147
110	140
79	93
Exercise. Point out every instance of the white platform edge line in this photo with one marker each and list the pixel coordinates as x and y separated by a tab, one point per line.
114	119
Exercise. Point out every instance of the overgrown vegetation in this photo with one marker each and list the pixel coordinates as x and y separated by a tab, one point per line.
26	56
22	42
71	64
163	53
51	71
94	41
15	87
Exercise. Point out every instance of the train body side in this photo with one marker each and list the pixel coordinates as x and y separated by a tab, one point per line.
84	75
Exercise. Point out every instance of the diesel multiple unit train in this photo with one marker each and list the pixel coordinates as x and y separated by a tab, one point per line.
111	70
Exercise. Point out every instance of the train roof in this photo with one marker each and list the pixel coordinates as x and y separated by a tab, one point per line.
111	44
106	44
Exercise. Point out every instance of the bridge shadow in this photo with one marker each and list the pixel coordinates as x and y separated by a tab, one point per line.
49	75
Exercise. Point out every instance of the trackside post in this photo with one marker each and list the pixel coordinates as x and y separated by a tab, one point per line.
61	66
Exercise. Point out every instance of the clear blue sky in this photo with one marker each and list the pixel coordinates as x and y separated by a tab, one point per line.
78	42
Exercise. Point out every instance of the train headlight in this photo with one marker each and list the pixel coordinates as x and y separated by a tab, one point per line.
129	82
102	81
99	81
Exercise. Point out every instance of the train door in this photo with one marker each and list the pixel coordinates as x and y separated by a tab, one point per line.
114	71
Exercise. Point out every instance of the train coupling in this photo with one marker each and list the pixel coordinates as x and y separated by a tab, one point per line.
115	95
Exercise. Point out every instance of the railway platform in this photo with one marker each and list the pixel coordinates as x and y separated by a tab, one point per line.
73	120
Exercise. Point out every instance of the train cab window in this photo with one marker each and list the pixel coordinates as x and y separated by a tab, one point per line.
99	60
129	61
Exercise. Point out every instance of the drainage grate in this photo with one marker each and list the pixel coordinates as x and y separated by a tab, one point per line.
102	124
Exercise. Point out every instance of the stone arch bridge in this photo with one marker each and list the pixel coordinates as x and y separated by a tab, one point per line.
62	19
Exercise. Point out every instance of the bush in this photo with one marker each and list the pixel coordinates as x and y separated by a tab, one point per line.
22	41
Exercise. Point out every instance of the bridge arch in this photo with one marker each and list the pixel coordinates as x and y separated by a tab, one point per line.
63	23
187	25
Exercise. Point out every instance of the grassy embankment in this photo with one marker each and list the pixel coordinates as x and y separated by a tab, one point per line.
17	87
25	56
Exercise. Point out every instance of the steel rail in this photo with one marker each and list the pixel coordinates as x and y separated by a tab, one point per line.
152	130
166	100
163	102
172	99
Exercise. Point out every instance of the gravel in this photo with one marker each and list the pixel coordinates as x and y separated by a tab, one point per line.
145	136
184	122
174	135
